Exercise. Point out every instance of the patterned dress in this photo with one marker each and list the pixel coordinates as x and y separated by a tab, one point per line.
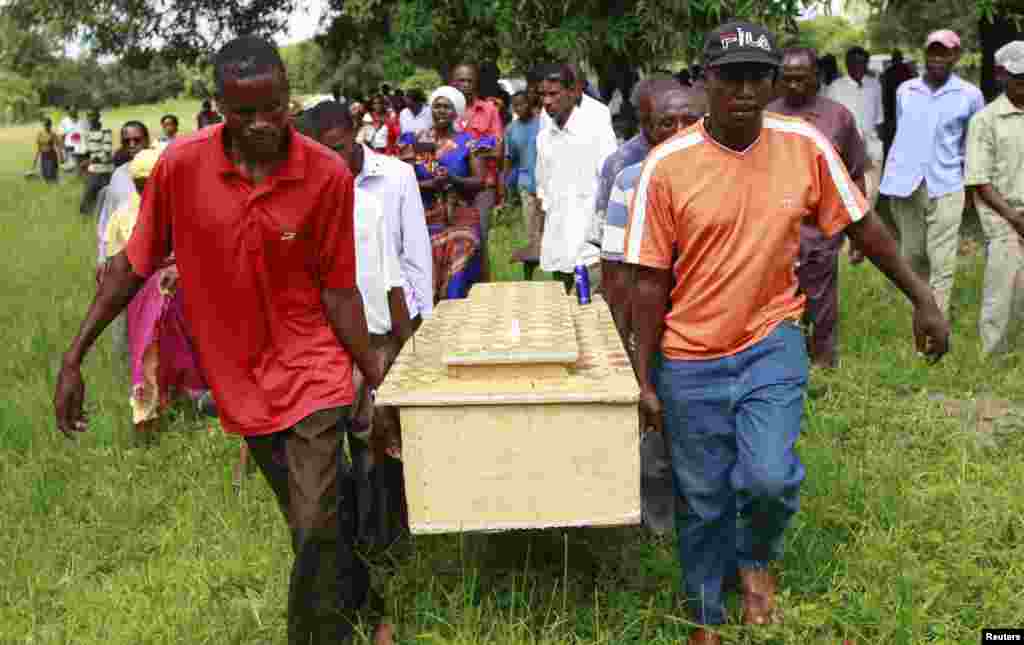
452	219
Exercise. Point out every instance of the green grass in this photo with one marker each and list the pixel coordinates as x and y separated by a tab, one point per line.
910	530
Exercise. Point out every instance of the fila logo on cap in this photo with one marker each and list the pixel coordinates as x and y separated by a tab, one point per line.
743	38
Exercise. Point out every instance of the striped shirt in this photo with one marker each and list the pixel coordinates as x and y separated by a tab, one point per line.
613	247
727	224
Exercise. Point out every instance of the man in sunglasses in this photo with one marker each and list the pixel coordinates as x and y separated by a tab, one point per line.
715	228
995	156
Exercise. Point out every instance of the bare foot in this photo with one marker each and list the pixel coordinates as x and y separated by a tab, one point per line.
384	635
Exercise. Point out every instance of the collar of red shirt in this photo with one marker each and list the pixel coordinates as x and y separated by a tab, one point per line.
293	168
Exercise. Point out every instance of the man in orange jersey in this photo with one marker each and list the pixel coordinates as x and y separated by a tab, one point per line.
715	228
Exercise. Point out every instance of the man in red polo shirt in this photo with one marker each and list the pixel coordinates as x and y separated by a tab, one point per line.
260	221
481	119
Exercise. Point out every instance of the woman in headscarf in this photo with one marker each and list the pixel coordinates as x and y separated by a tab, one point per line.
163	362
450	175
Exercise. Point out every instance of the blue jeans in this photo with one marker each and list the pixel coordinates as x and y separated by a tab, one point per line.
732	425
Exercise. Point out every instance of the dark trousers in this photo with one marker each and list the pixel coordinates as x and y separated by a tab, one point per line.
308	471
94	183
383	516
818	275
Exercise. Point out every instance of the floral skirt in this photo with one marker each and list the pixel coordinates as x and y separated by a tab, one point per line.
164	364
456	246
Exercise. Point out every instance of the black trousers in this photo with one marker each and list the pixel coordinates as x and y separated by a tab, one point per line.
307	468
94	183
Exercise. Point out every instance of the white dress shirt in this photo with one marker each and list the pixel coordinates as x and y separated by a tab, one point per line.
590	107
377	270
569	161
415	123
394	184
864	100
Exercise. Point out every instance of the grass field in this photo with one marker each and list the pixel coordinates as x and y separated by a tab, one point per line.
910	532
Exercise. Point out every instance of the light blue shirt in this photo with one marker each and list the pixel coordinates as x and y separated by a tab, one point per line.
931	137
521	151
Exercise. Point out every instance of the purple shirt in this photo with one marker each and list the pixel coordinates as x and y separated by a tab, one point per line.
839	126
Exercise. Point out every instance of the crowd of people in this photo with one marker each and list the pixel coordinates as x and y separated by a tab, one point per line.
274	264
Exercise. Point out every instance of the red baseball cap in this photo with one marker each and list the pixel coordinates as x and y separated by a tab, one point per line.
944	37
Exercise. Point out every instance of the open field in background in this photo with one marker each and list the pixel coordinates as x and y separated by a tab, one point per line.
910	532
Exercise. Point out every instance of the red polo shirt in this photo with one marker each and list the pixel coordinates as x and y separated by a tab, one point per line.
252	261
480	119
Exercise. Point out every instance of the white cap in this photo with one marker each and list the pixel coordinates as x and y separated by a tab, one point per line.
1011	57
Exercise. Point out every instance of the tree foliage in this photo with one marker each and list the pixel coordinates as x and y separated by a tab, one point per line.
19	100
906	23
137	31
439	33
27	52
307	68
88	83
830	35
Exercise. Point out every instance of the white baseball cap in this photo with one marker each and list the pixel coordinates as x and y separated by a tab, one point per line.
1011	57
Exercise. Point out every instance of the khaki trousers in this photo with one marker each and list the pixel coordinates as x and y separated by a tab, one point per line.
872	182
1003	293
930	237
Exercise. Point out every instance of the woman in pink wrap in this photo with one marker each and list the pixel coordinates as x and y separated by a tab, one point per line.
163	363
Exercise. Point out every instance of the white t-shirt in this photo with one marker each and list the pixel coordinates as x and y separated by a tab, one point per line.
418	123
865	102
377	268
67	127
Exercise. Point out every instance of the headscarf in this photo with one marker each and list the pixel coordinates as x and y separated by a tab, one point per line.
314	101
453	95
143	163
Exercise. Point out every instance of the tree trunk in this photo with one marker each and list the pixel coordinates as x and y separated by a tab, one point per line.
619	74
993	35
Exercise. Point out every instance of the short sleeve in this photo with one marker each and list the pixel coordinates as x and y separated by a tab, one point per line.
980	152
151	240
840	201
978	104
614	239
651	230
334	234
